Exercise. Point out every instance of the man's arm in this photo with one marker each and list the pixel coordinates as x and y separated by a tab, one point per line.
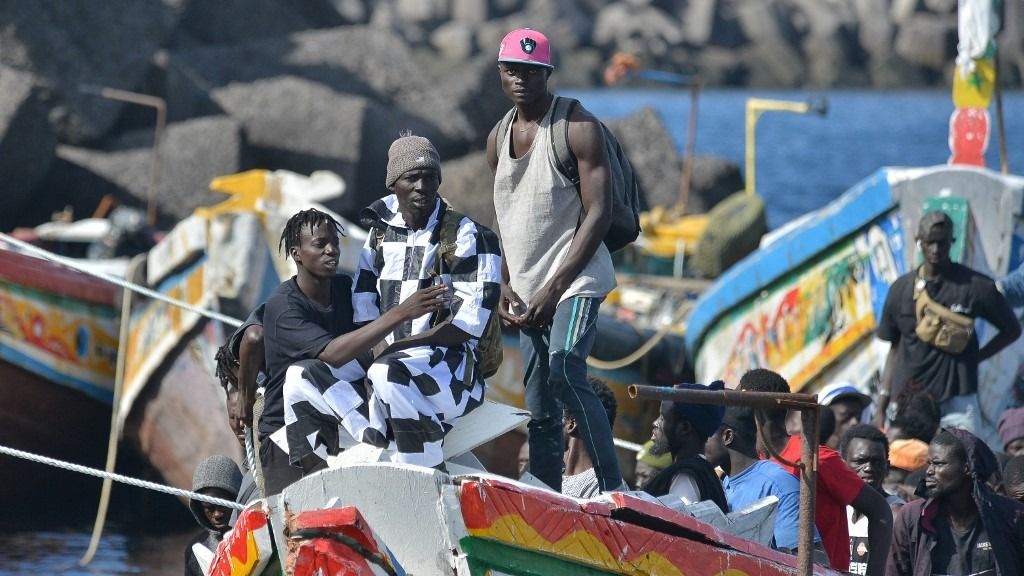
884	389
900	560
873	505
999	313
250	361
586	140
356	343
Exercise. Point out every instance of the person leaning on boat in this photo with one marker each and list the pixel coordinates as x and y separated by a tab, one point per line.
950	374
427	377
310	333
556	270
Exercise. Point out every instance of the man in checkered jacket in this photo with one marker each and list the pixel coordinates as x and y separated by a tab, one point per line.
425	379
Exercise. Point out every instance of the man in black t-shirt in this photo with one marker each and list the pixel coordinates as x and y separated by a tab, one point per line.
951	378
308	329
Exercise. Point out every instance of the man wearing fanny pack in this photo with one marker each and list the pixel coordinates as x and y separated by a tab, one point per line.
928	319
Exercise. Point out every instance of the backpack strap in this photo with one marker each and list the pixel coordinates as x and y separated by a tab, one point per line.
448	235
564	158
503	126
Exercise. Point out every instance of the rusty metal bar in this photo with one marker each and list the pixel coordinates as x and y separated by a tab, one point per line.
160	106
808	406
724	397
808	478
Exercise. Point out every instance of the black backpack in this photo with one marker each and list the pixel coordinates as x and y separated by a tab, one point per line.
625	225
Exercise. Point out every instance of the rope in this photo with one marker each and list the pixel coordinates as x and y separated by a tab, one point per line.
644	348
71	263
101	509
626	444
120	478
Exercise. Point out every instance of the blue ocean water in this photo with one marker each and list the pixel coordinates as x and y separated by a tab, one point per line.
805	161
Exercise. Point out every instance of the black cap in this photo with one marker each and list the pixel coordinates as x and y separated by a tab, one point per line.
930	221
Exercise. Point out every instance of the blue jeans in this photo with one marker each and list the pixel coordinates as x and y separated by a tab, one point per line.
962	412
555	361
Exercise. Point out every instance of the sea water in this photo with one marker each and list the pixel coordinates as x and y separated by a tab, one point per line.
803	162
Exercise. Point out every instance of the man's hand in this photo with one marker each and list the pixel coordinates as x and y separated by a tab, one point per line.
236	412
542	306
423	301
509	299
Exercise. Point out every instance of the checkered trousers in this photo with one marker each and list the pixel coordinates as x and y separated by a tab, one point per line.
416	394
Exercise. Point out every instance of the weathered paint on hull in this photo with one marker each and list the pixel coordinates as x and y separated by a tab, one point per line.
746	320
59	324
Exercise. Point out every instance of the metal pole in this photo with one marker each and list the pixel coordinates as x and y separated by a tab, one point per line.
808	478
691	144
160	106
725	397
755	107
1004	161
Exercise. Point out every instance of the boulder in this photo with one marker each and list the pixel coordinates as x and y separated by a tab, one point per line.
471	11
718	66
698	19
299	125
901	10
234	21
891	71
623	27
469	185
27	141
454	40
774	65
875	29
714	179
927	40
761	22
70	46
192	153
652	155
941	6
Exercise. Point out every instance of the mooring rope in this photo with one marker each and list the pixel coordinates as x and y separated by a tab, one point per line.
71	263
119	478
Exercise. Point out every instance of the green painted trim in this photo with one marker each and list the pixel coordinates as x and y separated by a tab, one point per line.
484	555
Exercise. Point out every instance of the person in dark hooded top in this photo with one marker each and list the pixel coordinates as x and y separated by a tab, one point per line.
217	476
960	526
682	429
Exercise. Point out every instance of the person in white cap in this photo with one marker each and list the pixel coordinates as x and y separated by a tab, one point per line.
557	269
848	405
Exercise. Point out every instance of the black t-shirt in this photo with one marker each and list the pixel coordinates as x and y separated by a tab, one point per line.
297	328
966	552
945	375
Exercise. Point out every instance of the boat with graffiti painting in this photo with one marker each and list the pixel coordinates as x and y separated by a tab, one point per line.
348	521
63	325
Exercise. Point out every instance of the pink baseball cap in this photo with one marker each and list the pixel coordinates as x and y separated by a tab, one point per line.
525	46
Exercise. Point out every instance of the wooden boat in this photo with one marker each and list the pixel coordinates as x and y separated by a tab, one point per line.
806	304
383	518
60	335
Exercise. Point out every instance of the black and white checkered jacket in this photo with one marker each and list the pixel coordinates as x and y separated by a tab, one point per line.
403	262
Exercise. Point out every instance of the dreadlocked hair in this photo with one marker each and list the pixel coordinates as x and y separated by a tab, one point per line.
226	362
305	218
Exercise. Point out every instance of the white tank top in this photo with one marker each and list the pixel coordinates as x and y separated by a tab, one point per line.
538	210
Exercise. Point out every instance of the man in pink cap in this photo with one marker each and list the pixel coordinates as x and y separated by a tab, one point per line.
556	269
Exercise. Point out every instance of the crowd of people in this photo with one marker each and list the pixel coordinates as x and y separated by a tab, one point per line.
396	354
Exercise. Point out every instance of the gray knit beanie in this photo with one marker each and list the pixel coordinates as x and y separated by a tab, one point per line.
411	152
217	471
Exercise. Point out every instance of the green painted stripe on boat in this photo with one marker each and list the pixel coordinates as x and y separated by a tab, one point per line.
484	555
64	302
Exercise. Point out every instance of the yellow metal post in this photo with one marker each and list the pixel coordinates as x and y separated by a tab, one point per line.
758	106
